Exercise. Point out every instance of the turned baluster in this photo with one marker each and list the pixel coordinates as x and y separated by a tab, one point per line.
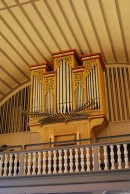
126	156
76	161
88	159
54	162
112	157
1	164
44	163
93	158
65	161
10	164
34	163
60	161
39	163
24	164
71	160
105	158
99	159
29	164
5	165
49	162
15	164
19	165
119	157
82	159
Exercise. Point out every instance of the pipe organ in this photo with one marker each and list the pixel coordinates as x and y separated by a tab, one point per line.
68	100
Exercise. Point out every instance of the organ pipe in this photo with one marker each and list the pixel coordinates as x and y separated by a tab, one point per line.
97	89
67	86
70	80
64	87
61	87
58	92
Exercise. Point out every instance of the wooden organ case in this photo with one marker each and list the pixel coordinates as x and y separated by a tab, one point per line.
68	102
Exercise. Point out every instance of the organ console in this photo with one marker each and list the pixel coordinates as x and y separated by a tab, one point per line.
67	102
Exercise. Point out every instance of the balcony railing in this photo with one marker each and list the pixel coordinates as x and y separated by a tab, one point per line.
69	159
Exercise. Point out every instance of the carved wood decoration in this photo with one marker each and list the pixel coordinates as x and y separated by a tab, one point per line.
59	60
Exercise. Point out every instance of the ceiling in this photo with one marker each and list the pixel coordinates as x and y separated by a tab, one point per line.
31	30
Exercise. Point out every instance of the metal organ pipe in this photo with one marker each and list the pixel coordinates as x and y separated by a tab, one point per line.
61	88
52	97
89	85
94	85
70	84
49	101
33	104
40	97
79	93
39	103
58	92
88	88
37	88
97	89
67	87
76	97
82	96
64	87
37	94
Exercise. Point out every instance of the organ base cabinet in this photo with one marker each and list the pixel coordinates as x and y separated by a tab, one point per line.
73	130
68	101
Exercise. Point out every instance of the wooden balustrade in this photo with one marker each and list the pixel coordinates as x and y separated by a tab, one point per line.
112	156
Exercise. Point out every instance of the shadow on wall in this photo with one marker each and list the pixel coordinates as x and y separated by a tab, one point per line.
15	139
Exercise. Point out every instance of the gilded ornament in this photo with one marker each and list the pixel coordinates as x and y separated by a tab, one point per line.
89	65
78	78
67	59
38	74
49	83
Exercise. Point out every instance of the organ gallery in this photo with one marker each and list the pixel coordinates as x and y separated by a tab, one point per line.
67	100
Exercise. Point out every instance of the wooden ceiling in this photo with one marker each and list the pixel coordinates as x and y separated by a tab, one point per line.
31	30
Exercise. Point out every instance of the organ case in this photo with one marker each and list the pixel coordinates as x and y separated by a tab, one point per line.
63	92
